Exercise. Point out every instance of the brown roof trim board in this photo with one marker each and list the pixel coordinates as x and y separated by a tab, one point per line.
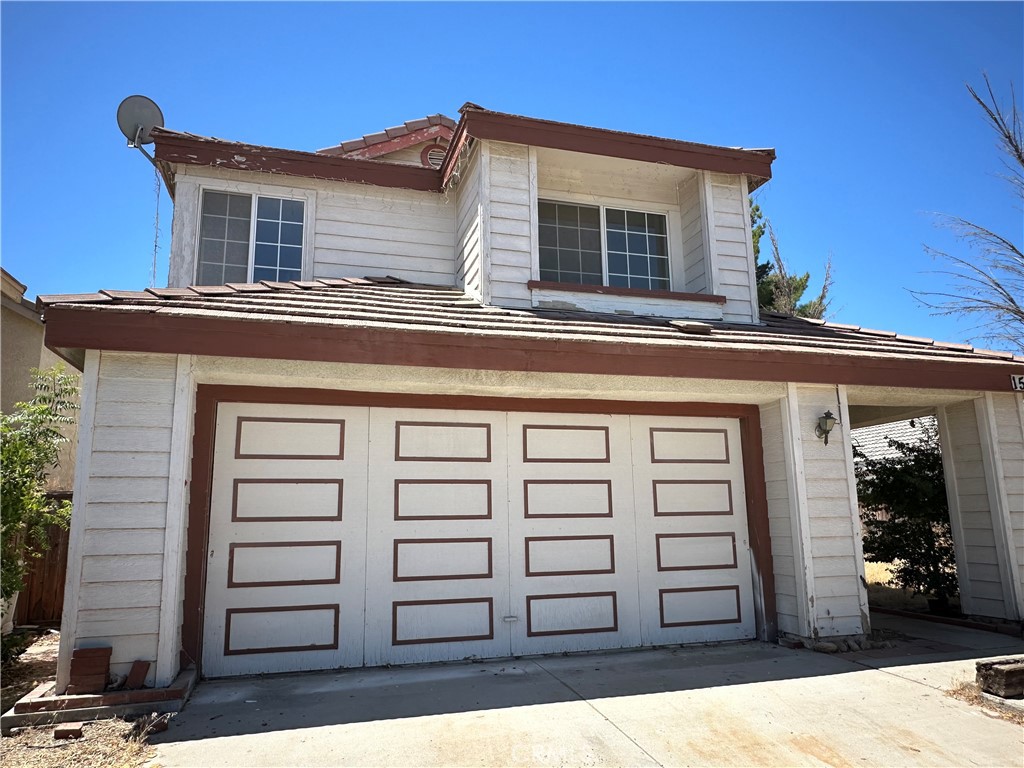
336	164
482	123
386	322
173	147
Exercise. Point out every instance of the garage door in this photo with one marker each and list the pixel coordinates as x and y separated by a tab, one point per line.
343	536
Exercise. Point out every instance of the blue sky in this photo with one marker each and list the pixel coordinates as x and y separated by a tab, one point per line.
865	104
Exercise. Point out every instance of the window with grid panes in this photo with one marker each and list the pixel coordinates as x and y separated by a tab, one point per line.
246	238
598	245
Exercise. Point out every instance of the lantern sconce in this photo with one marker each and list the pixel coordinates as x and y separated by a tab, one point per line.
824	426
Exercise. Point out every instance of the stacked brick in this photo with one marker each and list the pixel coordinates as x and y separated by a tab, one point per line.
90	670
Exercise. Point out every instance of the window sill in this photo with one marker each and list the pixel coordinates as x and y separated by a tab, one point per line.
545	285
626	301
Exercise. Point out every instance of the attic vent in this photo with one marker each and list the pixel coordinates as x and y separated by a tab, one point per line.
434	156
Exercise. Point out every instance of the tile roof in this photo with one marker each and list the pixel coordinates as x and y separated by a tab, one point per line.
409	126
873	441
388	303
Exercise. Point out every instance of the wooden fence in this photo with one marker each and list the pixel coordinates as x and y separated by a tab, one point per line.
42	599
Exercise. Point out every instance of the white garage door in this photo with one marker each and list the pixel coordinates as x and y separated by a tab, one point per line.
343	536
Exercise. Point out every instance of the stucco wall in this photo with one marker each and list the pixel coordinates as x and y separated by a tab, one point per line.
21	350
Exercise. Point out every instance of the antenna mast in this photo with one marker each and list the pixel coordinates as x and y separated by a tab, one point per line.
156	226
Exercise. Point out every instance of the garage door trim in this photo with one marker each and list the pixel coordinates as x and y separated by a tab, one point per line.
208	396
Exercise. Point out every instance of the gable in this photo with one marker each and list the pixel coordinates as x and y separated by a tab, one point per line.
407	144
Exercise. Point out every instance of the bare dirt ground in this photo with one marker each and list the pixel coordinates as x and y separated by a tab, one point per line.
104	744
36	665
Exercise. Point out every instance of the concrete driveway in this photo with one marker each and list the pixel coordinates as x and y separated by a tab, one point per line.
737	705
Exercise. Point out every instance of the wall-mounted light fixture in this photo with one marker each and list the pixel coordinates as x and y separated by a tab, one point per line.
824	426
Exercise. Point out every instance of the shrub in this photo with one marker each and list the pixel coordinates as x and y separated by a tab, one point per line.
906	515
30	440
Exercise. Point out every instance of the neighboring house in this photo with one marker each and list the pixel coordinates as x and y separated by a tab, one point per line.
21	350
520	403
873	441
21	342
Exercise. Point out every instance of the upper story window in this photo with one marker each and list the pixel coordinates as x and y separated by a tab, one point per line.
600	245
248	238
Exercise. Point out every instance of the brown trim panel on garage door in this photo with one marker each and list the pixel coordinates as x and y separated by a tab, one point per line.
208	396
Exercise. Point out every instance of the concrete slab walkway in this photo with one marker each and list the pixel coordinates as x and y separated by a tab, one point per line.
738	705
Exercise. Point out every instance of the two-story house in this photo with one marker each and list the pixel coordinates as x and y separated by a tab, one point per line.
483	389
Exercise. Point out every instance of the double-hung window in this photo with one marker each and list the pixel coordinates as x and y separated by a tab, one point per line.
601	245
248	238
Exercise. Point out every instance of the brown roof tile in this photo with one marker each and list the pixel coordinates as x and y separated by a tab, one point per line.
71	298
170	293
128	295
390	133
249	287
212	290
278	286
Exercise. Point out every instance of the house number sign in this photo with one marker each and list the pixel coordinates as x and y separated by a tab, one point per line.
1017	382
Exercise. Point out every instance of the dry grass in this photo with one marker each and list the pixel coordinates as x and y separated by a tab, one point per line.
971	693
882	593
104	744
878	573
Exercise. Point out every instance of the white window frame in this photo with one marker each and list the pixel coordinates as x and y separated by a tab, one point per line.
673	221
255	190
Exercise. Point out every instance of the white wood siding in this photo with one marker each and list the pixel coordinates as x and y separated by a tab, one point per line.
120	512
510	215
358	230
840	603
468	227
408	156
969	502
731	247
1009	427
780	519
365	231
695	277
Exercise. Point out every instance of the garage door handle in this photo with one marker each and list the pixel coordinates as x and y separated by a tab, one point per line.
510	619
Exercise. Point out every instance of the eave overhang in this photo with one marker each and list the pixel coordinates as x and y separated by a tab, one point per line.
479	123
173	148
71	329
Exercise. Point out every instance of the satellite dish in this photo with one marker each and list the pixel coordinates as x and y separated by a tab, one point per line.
137	116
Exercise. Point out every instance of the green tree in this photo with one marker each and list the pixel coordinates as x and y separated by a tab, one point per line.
988	285
30	440
777	289
906	516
